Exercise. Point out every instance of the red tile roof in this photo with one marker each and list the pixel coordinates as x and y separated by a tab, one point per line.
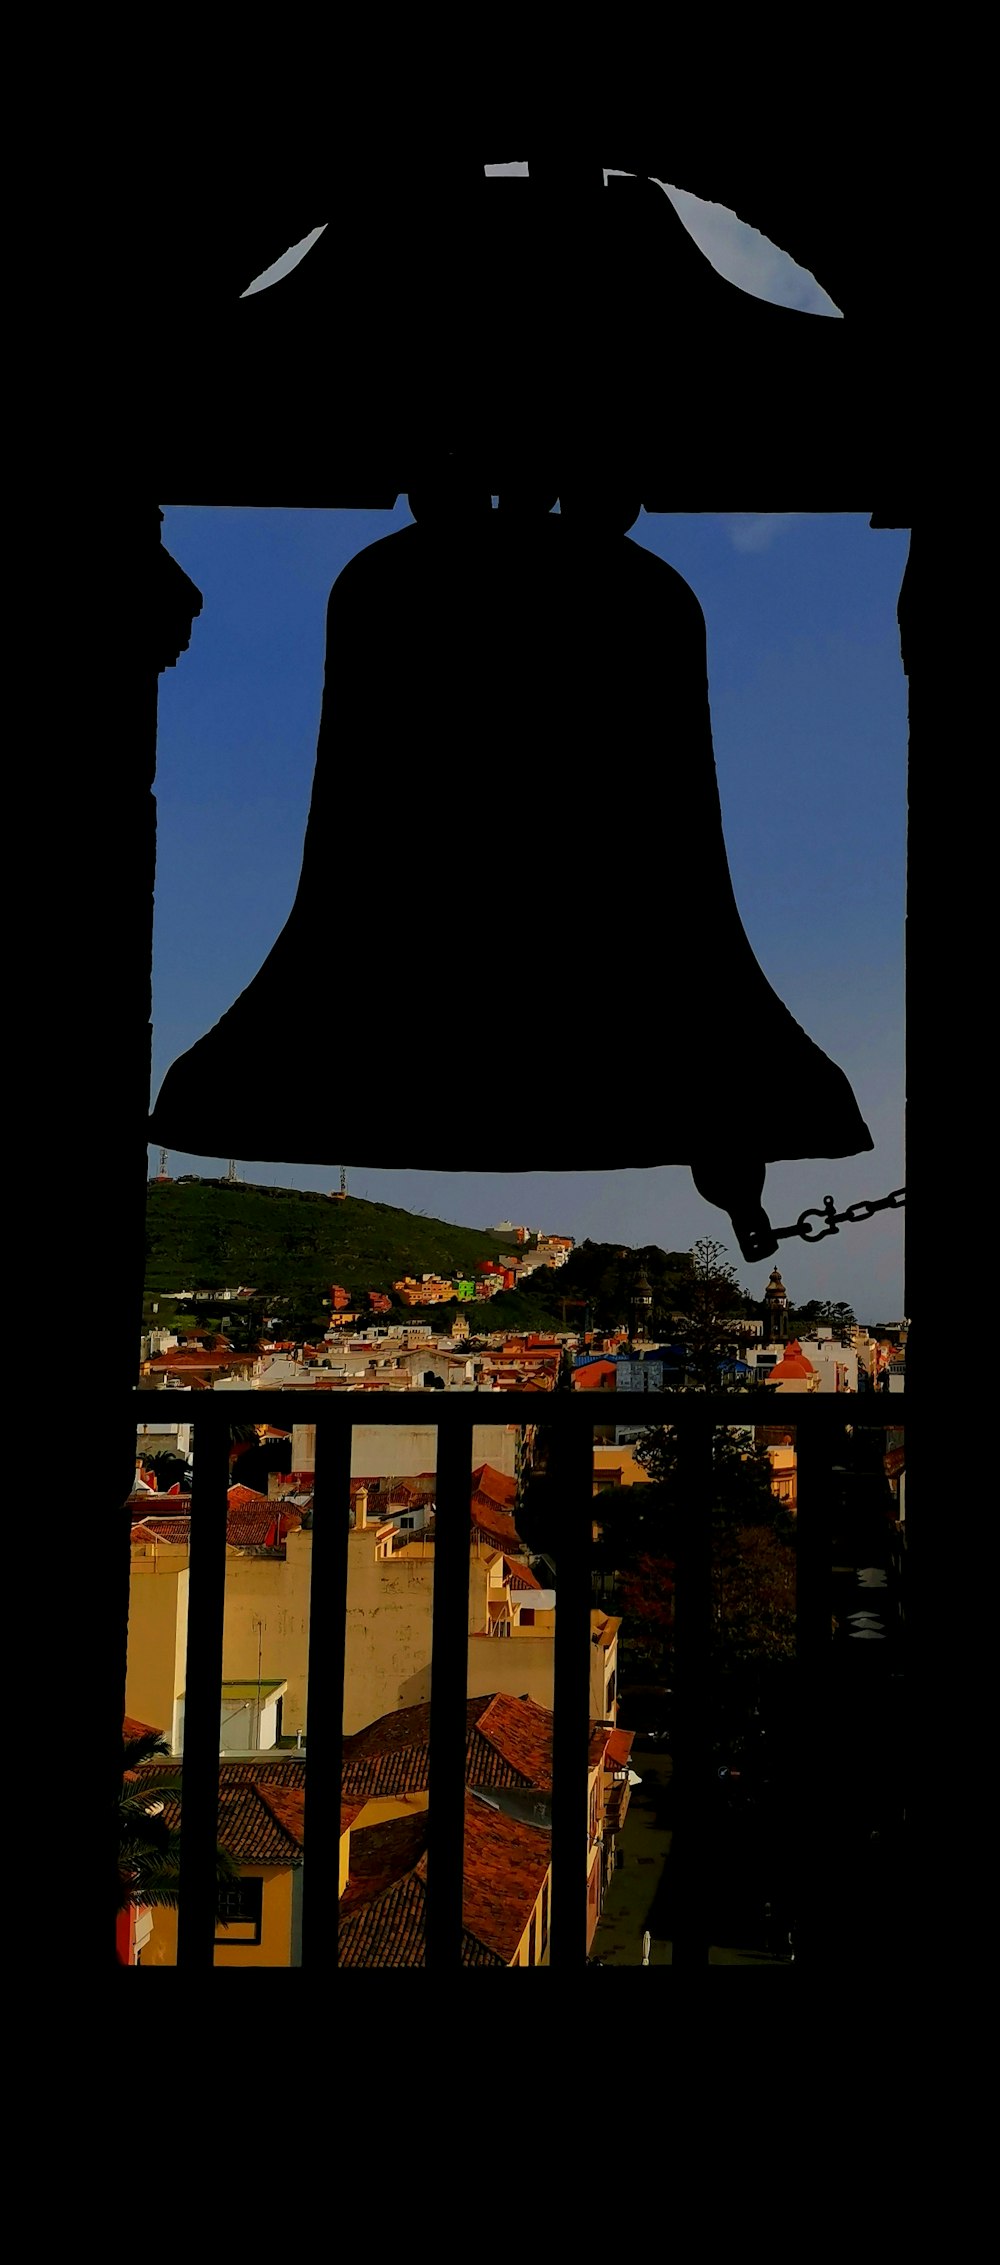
172	1363
253	1521
520	1576
382	1854
620	1747
250	1827
495	1486
508	1743
493	1499
392	1931
792	1363
520	1731
505	1868
175	1530
598	1746
594	1376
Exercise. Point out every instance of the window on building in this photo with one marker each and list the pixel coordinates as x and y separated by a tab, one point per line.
241	1910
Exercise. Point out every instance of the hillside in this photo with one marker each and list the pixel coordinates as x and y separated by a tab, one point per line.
290	1245
286	1242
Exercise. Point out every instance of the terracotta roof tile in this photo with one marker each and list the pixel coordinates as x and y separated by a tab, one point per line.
381	1855
253	1521
500	1489
620	1747
249	1828
520	1732
593	1377
162	1529
173	1363
521	1576
505	1867
508	1743
793	1363
287	1803
392	1931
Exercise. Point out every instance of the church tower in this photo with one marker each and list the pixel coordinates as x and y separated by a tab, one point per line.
776	1307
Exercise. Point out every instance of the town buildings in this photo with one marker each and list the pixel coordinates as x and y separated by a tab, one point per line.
381	1848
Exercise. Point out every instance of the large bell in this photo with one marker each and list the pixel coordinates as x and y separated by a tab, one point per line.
515	753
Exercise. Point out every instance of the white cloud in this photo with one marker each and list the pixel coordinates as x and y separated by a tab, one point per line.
284	265
757	530
747	258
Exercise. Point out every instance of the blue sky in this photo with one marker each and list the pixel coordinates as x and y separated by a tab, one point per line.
809	717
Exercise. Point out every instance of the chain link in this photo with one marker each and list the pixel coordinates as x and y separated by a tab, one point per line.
835	1219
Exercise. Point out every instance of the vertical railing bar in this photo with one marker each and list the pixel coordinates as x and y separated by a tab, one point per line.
203	1689
449	1690
573	1469
692	1690
814	1459
325	1686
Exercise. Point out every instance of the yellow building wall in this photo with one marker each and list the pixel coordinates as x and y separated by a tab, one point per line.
275	1591
390	1604
545	1619
534	1927
522	1664
621	1459
157	1640
274	1947
387	1808
403	1450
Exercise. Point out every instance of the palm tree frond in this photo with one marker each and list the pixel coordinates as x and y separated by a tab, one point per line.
144	1748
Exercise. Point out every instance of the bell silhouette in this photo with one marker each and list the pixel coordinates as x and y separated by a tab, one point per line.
516	741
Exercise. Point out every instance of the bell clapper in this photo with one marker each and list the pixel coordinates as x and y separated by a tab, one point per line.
735	1185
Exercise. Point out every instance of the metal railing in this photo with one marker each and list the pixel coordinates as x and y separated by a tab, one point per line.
819	1423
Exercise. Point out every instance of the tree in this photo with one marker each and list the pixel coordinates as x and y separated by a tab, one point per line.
709	1321
741	1480
820	1313
753	1564
149	1841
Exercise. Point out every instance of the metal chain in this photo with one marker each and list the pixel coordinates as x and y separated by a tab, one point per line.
835	1219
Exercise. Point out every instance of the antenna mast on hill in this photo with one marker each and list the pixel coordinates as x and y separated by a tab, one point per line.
163	1164
343	1179
232	1176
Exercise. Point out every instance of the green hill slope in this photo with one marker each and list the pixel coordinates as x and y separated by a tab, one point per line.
289	1246
285	1242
